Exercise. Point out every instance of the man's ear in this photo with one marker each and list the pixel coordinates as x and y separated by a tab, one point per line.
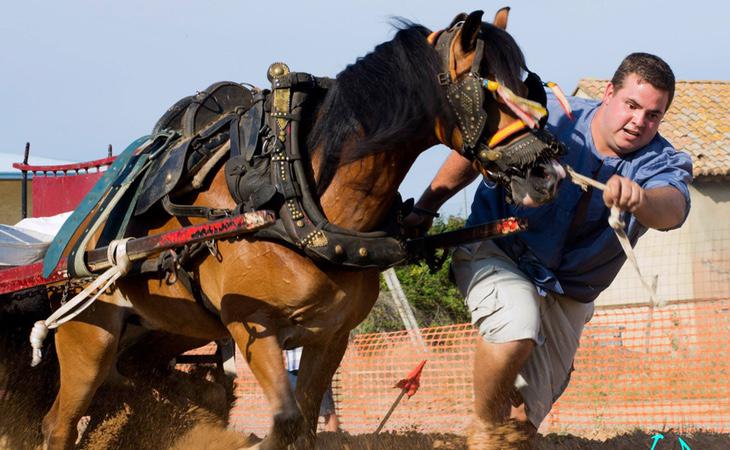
459	18
608	92
500	19
470	31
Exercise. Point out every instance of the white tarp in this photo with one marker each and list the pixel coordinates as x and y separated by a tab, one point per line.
27	241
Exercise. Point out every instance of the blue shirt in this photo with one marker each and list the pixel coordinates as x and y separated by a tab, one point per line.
584	262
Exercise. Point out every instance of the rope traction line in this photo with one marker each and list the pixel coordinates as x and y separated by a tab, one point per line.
618	226
120	265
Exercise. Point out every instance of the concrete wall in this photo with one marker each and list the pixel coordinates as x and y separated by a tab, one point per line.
691	262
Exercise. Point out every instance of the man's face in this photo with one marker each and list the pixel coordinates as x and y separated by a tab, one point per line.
632	114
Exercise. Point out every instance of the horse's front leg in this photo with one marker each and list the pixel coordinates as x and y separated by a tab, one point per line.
317	367
256	336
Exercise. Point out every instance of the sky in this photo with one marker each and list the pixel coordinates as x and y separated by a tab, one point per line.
78	75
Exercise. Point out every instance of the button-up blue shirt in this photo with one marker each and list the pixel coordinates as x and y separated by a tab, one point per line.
581	263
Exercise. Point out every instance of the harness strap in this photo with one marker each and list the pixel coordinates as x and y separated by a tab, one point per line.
178	210
197	292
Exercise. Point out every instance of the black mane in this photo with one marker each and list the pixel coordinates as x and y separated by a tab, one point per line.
387	96
503	58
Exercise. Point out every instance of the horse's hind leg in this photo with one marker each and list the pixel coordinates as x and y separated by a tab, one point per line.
257	338
86	349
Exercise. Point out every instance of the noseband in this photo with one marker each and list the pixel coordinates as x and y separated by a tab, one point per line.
466	96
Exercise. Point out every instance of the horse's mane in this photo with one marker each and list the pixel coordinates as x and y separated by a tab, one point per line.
388	95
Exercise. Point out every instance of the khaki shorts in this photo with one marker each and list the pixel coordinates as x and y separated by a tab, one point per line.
505	306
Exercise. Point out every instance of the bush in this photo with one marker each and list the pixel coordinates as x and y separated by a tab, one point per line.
434	298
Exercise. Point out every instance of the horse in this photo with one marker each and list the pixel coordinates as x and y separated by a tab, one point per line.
362	136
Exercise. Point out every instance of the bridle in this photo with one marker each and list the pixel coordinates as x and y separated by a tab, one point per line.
499	157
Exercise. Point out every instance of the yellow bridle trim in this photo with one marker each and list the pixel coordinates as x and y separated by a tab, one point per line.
506	132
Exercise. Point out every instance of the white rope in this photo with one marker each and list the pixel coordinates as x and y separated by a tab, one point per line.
120	265
618	225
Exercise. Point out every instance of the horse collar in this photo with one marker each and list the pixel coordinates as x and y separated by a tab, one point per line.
284	184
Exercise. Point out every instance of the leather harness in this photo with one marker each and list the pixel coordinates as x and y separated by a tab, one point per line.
265	170
301	222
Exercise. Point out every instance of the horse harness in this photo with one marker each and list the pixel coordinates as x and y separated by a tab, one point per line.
260	128
466	96
265	170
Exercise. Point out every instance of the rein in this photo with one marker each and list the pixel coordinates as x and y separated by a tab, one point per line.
618	225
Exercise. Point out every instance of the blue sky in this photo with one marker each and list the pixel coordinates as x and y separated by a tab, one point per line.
78	75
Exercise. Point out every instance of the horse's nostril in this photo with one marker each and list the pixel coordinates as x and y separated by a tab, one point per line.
539	172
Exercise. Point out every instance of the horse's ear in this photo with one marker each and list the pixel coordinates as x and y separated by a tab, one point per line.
470	30
459	18
500	19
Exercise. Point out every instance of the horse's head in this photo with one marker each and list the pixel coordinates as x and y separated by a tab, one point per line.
496	117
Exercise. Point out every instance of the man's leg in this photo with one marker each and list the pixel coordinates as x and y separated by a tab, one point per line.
505	308
331	423
328	412
495	368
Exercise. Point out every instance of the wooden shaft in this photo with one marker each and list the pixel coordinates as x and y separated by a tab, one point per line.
141	248
390	411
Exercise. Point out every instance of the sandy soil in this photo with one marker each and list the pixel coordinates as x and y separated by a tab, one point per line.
185	411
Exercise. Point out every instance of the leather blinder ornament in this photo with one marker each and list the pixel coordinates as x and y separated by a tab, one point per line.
466	98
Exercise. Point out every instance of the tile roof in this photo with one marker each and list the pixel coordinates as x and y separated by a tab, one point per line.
698	122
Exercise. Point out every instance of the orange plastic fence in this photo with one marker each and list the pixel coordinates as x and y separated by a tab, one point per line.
651	368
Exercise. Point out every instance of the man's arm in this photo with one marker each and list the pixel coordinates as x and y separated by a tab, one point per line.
660	208
455	174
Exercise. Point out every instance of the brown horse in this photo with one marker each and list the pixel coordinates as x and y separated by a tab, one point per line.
363	136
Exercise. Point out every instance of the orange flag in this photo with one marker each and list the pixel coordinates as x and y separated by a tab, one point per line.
412	382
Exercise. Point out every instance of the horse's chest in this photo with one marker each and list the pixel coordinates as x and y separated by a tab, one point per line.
337	305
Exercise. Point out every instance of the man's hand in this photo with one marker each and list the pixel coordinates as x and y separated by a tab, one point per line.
624	193
416	225
660	208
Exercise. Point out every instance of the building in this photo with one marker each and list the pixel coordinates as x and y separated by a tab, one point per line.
694	261
11	182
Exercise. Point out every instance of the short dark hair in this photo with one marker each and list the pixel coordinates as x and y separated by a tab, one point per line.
649	68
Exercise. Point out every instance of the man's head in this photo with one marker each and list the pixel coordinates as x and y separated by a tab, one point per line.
634	104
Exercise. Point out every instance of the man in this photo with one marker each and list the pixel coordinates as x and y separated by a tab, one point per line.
531	294
327	407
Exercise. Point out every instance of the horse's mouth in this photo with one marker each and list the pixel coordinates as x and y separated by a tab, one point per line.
539	185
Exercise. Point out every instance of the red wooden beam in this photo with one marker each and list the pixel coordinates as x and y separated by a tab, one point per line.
15	279
143	247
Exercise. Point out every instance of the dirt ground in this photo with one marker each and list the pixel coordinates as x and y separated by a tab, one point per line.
212	438
186	411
